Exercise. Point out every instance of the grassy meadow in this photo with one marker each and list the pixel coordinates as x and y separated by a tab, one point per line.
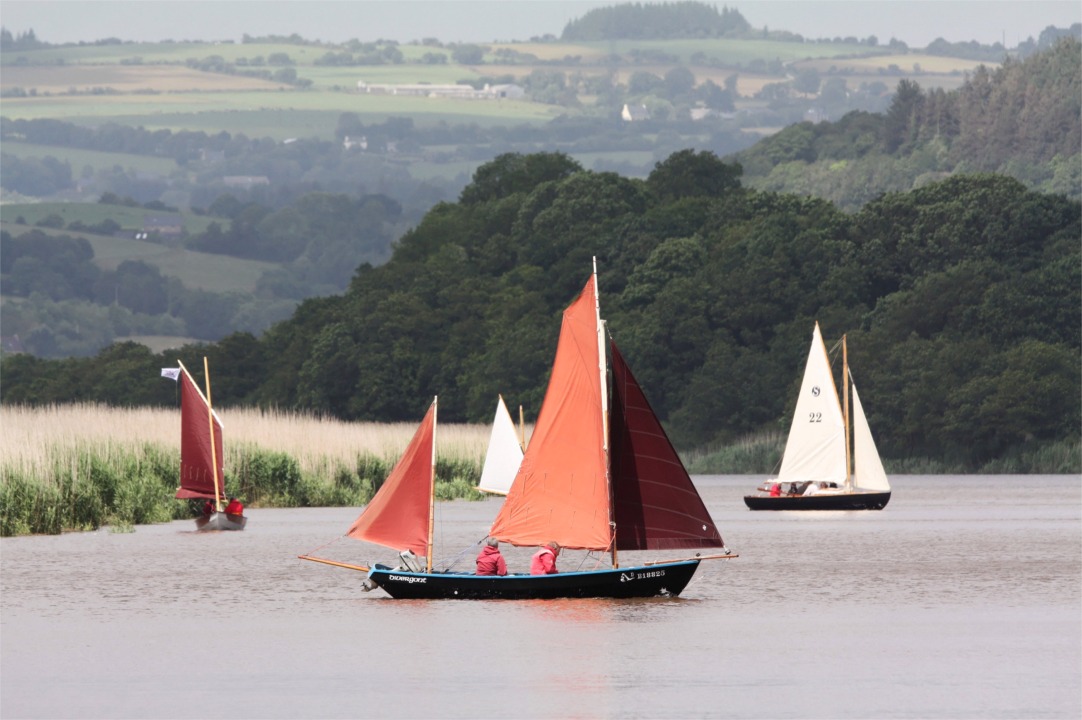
152	85
80	467
197	270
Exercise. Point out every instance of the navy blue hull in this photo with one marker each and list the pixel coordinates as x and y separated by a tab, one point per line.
665	579
840	501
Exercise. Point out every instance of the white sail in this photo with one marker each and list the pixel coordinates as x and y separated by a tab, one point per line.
816	449
504	454
868	472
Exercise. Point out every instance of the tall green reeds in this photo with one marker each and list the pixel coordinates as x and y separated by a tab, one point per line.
82	467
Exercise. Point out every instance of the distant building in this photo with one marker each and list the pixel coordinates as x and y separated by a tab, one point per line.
360	143
511	92
815	115
635	113
459	91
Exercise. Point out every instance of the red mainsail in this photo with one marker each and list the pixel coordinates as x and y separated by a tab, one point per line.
399	516
561	490
196	461
655	504
572	487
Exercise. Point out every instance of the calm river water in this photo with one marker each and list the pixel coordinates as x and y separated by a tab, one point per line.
962	599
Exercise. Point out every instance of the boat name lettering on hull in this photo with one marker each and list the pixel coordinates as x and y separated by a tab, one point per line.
407	579
630	576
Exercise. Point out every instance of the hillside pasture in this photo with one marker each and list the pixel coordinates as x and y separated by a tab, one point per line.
69	79
197	270
79	159
129	218
201	271
348	77
278	115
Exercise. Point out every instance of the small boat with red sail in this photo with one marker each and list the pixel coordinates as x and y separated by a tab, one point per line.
201	467
599	475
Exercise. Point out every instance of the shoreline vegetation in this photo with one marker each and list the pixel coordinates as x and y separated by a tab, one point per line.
85	466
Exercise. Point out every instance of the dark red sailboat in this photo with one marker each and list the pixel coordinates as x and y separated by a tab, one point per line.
201	474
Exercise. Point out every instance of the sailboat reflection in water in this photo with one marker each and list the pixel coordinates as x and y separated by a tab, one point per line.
600	474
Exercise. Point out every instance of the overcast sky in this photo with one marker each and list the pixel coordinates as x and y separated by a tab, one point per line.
915	22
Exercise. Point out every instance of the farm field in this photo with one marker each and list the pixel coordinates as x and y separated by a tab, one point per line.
152	85
197	270
95	159
278	115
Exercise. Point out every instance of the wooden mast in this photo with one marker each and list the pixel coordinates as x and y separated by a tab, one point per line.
845	407
432	489
521	429
213	448
602	366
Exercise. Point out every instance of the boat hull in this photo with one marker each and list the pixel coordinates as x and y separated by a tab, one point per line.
825	501
220	521
663	579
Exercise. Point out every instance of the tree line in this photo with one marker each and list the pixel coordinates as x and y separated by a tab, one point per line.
1023	119
961	301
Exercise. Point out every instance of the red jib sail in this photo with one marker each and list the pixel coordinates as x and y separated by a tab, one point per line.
398	516
561	491
196	461
655	504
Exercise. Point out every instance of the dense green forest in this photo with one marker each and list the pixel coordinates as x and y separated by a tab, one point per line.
961	301
316	224
1023	119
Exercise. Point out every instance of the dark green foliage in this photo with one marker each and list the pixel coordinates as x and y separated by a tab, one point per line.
961	300
1023	119
663	20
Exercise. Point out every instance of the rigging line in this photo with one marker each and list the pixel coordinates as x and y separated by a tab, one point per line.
326	544
463	552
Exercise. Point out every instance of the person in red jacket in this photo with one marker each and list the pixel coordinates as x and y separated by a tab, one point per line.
234	507
489	560
544	560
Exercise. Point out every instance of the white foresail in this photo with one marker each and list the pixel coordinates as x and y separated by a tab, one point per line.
504	454
815	449
868	472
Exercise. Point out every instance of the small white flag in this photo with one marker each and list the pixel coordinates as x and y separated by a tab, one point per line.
171	373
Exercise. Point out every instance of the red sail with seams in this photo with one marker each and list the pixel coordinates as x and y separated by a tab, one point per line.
399	515
561	490
196	461
655	504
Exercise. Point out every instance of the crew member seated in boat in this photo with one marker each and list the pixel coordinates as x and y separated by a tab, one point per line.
208	508
489	560
811	489
775	490
234	507
544	560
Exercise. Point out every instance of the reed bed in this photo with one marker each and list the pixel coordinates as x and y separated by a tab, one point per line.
78	467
